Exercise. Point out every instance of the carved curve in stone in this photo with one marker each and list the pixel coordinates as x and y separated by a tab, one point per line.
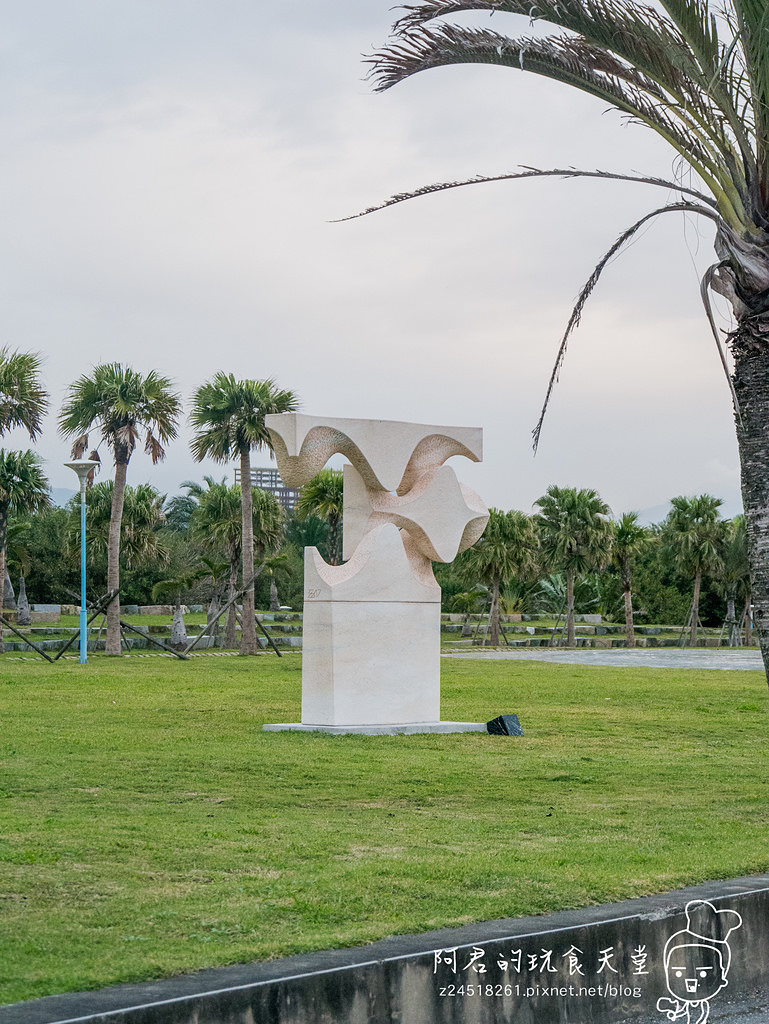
389	455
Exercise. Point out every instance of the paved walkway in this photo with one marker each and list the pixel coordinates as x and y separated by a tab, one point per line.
620	657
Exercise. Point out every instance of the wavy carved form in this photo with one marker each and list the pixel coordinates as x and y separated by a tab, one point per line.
388	454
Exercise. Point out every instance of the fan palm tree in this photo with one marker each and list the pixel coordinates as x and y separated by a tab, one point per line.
733	574
228	415
143	515
23	401
217	523
575	537
120	404
506	549
465	603
628	540
323	497
693	535
17	557
697	73
23	488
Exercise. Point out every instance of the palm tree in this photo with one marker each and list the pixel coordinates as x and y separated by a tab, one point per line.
733	573
506	549
229	417
17	557
121	404
268	524
217	523
23	488
465	603
575	537
629	539
693	534
23	401
323	497
140	523
697	73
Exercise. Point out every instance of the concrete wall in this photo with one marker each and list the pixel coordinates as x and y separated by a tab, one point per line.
603	965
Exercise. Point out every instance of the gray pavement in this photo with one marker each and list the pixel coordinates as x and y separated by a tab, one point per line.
620	657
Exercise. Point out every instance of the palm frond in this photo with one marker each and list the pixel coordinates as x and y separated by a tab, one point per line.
705	284
592	69
23	400
529	172
680	52
592	281
753	28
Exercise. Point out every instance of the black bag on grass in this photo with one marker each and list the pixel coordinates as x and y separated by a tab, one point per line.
505	725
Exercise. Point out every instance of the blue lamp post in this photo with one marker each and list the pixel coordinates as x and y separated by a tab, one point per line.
82	467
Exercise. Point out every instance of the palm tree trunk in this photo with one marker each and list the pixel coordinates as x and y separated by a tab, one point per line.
748	622
229	632
3	544
751	384
9	598
569	608
23	617
334	538
695	609
112	645
731	614
629	627
494	615
248	644
178	629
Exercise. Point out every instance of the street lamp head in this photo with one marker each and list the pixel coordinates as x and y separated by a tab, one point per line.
82	467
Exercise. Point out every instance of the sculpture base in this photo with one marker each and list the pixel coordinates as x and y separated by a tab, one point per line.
380	730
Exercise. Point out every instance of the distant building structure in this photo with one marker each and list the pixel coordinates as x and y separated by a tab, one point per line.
268	479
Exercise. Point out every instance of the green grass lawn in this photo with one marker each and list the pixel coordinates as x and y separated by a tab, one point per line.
148	826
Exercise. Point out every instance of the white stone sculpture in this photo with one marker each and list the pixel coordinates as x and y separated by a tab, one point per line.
371	631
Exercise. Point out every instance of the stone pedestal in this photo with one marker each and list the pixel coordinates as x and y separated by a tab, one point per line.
371	638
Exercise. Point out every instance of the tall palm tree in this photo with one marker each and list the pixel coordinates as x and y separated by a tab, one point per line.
693	535
575	537
697	73
23	488
23	400
120	404
506	549
628	540
323	497
228	415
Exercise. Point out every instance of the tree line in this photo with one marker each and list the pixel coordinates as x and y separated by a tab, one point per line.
571	556
216	539
124	408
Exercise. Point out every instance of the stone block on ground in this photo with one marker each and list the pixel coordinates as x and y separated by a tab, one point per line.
44	616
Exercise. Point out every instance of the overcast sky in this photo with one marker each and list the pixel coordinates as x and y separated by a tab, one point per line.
168	173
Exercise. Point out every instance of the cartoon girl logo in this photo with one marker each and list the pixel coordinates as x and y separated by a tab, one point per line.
697	962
